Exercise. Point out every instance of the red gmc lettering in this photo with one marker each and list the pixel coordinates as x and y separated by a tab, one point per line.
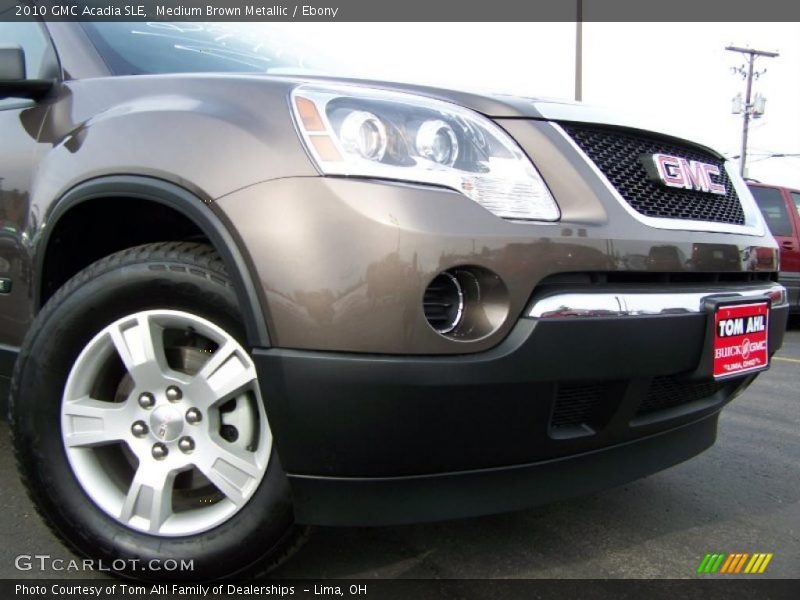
669	169
687	174
713	187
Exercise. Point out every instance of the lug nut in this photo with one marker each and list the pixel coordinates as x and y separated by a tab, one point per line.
139	429
186	444
174	393
193	416
147	400
160	451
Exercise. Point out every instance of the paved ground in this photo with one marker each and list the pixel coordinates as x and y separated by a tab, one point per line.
742	495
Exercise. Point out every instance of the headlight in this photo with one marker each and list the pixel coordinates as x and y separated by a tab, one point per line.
364	132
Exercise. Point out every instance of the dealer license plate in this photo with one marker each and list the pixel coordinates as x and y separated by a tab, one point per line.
740	339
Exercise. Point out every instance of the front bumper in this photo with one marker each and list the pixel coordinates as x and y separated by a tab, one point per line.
561	407
342	265
379	419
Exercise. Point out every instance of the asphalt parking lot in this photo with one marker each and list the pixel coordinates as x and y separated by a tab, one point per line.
742	495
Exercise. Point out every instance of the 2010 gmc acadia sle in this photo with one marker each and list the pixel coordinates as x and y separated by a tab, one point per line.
239	299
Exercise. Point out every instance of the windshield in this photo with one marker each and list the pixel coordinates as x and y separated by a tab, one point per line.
161	47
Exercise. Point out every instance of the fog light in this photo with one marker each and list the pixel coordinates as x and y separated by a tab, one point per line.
444	303
466	303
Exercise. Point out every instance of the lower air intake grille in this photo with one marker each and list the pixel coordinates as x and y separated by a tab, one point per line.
617	152
577	405
669	392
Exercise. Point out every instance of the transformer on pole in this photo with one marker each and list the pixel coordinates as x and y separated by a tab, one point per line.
749	106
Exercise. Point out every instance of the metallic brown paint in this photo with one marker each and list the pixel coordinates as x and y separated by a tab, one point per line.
342	264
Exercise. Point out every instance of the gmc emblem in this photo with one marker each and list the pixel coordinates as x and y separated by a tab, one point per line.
677	172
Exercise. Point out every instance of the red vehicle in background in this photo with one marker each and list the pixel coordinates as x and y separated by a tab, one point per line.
781	209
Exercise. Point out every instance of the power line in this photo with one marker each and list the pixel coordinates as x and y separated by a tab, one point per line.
760	158
766	155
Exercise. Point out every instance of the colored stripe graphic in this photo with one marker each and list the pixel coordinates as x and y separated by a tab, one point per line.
726	568
702	567
734	562
765	563
759	563
754	563
718	563
711	563
730	564
741	562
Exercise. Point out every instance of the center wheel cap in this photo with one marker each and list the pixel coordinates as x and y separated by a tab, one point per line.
166	423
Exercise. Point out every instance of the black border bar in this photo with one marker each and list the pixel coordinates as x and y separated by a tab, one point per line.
402	10
705	587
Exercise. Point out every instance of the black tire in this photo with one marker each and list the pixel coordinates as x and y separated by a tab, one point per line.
170	275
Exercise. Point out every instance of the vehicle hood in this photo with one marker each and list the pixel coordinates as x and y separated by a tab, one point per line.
493	105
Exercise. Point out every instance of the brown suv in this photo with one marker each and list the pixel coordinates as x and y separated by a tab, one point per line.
239	298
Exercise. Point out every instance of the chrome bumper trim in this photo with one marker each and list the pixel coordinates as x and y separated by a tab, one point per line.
624	304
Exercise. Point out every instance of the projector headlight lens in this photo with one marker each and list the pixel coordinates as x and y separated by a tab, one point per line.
365	132
437	141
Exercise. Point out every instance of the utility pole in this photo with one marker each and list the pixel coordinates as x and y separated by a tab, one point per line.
749	109
579	52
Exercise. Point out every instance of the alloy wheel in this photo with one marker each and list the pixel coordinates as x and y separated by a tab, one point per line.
163	423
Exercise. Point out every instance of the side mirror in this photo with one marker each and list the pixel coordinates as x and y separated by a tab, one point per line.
13	81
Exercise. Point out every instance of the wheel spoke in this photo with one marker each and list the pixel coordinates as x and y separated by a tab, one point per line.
222	354
232	472
149	497
224	376
90	422
140	345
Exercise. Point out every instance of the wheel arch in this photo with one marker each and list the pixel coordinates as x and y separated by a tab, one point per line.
181	201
